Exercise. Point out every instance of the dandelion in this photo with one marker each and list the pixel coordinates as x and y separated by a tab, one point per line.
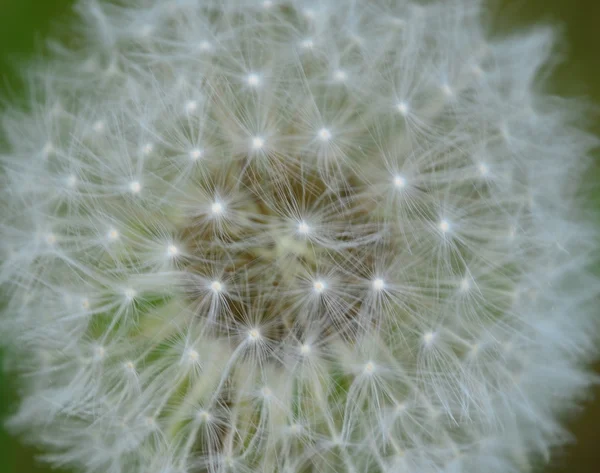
294	236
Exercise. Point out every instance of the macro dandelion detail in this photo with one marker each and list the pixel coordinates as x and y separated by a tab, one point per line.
294	237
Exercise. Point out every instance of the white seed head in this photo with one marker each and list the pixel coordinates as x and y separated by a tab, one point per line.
354	231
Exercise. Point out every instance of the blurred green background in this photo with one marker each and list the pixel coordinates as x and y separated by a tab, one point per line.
25	23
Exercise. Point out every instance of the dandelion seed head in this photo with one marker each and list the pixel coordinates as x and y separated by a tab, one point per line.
297	236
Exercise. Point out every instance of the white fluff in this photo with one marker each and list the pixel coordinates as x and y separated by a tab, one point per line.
295	236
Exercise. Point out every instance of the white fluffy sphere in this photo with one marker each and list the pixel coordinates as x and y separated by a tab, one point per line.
294	236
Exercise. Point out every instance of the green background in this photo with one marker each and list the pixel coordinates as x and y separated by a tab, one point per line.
25	23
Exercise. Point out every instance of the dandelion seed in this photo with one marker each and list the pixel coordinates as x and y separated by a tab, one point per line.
307	44
447	90
191	106
98	126
428	338
399	181
309	14
340	76
172	251
195	154
135	187
147	149
403	108
257	143
444	226
369	368
217	208
484	169
47	149
319	286
254	335
203	416
253	80
71	180
113	234
378	284
99	353
192	355
130	294
216	286
305	349
324	134
465	284
205	46
303	228
296	429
